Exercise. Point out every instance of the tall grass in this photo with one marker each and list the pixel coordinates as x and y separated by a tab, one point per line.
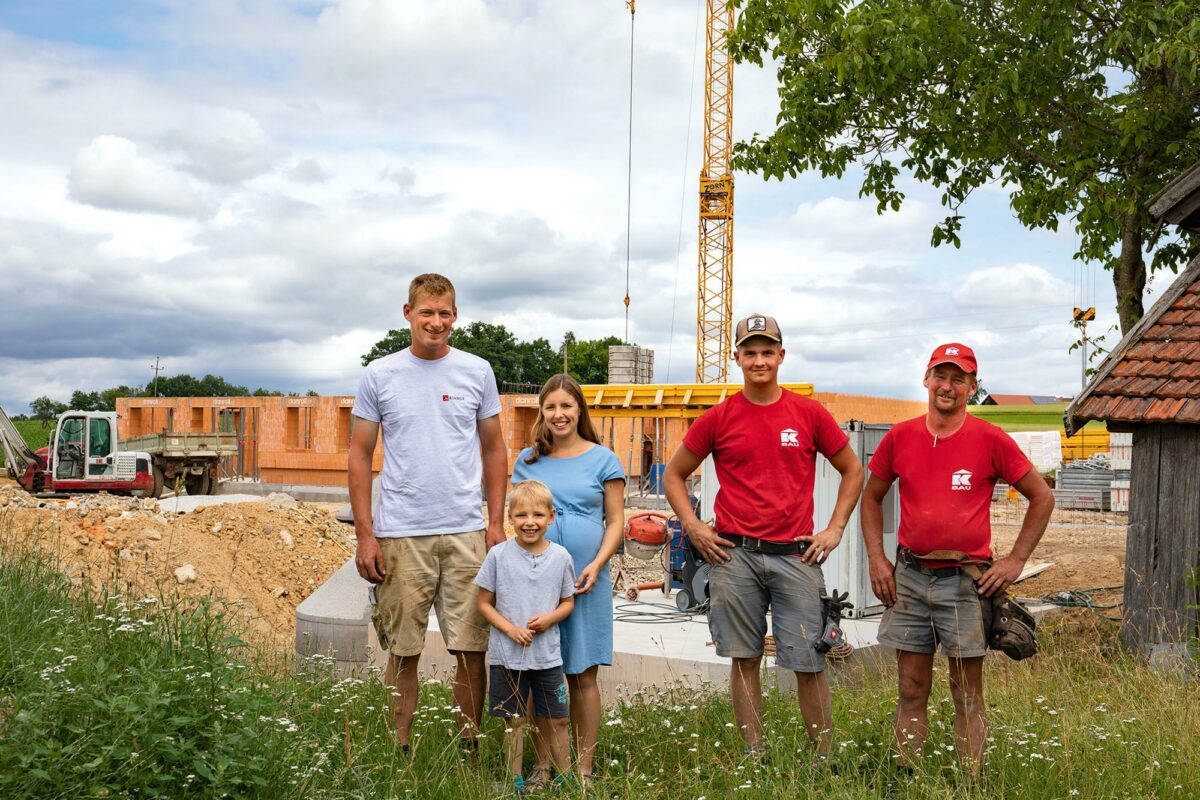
104	695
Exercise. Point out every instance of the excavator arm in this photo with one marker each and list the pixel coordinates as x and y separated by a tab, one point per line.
18	455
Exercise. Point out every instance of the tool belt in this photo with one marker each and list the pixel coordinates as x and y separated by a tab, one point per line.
910	559
752	544
1007	625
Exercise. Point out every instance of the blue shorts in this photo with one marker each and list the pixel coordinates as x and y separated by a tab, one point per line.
510	692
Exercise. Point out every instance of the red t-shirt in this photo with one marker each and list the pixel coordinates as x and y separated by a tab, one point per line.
946	485
765	458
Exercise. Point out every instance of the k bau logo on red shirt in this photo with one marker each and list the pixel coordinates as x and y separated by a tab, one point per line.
446	398
789	438
960	481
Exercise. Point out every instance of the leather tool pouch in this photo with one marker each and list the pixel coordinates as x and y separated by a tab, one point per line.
1007	625
1010	627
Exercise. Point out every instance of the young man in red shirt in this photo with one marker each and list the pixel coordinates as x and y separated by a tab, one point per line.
762	551
948	463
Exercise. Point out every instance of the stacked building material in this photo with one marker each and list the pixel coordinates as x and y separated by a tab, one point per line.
630	364
1122	462
1085	485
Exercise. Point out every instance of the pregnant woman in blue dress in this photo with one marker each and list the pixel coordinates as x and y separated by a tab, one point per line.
588	485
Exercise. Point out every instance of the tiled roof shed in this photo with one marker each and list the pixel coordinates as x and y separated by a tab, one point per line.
1150	385
1153	374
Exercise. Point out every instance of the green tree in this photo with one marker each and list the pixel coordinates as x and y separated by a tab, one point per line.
587	359
394	342
86	401
1082	110
979	395
46	409
513	361
184	385
108	397
538	361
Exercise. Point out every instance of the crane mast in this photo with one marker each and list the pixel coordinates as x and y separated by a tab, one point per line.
714	298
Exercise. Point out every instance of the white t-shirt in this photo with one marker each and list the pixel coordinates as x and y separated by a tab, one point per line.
432	469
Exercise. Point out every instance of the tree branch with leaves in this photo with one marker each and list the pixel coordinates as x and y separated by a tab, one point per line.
1081	113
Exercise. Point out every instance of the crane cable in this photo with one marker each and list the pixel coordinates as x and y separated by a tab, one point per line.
629	167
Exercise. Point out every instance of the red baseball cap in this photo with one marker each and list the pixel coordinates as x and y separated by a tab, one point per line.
954	353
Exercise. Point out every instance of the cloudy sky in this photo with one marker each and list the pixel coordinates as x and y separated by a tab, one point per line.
245	188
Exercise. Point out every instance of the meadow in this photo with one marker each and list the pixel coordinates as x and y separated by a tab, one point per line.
1047	417
32	431
107	694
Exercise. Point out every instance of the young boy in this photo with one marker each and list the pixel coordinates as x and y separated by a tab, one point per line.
526	587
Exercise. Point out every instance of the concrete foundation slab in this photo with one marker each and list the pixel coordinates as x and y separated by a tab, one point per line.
309	493
655	647
184	503
333	620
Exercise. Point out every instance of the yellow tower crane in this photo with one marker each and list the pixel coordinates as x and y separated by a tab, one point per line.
714	297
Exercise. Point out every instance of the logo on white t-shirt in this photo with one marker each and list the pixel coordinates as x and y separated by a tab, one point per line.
788	438
960	481
446	398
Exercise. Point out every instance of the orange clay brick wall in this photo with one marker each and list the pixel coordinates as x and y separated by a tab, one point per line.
304	440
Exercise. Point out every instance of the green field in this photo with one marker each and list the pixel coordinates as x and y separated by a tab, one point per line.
107	694
37	436
1027	418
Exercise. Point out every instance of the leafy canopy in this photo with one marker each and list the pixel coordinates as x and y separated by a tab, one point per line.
1081	110
515	362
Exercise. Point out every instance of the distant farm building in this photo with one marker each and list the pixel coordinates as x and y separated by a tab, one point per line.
1022	400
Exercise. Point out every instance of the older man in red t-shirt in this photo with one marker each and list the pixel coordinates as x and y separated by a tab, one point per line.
764	443
947	462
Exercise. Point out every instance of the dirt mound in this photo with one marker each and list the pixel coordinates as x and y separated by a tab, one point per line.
266	558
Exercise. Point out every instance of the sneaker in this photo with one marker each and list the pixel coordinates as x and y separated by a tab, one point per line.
569	782
537	782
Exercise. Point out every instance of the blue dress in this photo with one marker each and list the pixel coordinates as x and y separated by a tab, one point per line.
577	484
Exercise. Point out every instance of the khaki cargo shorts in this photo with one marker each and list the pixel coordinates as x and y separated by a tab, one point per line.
430	571
932	611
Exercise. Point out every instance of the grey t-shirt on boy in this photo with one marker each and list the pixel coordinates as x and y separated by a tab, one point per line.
526	585
429	411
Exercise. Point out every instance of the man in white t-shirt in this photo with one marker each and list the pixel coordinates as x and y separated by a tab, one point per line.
440	414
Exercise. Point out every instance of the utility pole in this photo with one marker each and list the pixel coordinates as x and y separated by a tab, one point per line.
157	369
1081	317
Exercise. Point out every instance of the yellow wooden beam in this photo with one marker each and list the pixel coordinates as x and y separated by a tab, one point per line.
666	396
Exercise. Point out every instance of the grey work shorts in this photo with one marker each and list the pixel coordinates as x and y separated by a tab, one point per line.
743	588
930	611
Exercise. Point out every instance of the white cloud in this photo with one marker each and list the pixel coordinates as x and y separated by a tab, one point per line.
854	226
1015	285
312	159
224	145
109	173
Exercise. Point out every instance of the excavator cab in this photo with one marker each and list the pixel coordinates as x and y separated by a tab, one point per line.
84	447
